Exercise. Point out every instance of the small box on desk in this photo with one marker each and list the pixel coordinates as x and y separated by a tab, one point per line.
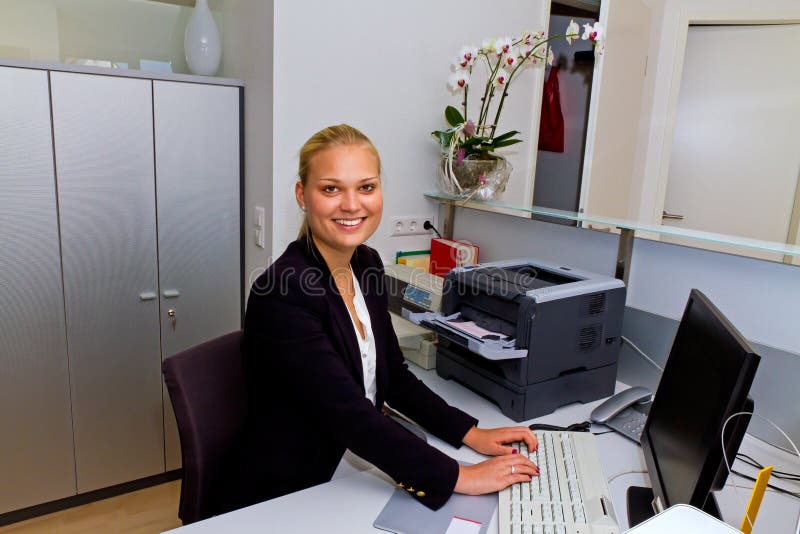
418	344
447	254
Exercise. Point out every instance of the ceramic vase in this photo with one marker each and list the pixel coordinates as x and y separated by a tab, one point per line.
201	41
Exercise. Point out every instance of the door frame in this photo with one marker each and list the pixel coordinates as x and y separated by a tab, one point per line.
681	31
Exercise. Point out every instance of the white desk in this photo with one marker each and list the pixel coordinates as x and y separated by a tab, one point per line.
349	504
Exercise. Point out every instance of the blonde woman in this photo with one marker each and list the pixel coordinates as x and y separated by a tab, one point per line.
321	358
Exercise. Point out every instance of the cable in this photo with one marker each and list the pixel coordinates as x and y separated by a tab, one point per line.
728	464
775	473
645	356
633	472
774	488
428	226
575	427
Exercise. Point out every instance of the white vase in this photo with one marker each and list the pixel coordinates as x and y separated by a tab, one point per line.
201	41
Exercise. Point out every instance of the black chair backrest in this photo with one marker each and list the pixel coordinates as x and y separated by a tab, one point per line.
207	389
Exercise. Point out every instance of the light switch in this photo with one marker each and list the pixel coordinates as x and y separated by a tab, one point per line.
258	234
259	218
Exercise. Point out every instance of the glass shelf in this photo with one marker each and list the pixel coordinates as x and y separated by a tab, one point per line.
626	224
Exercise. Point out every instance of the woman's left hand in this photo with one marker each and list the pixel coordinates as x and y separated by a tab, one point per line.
492	441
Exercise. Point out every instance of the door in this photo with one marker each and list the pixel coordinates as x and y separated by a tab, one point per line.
36	452
735	155
103	132
615	109
197	176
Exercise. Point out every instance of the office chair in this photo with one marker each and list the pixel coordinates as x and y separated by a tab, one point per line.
207	389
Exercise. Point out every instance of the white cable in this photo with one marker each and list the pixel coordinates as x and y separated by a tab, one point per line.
613	477
645	356
728	465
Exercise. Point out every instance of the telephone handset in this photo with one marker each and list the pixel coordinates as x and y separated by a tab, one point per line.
623	412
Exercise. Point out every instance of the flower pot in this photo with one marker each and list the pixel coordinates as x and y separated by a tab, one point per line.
201	41
481	179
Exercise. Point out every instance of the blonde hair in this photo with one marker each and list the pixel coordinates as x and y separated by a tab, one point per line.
330	137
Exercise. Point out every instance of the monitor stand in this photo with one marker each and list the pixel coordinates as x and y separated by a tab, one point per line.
640	505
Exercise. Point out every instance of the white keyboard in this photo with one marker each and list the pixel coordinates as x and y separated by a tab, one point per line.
570	495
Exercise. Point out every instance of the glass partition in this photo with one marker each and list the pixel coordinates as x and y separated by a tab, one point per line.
650	231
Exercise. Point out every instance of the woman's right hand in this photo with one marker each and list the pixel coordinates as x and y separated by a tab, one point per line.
494	474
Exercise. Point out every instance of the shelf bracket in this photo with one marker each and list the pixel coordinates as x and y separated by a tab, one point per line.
624	255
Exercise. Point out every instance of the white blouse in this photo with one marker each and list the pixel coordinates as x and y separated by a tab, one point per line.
367	345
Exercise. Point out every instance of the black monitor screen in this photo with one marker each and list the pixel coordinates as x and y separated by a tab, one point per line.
706	379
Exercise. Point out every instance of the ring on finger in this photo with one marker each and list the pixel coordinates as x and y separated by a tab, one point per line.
513	469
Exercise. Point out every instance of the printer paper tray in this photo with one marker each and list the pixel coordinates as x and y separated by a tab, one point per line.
491	349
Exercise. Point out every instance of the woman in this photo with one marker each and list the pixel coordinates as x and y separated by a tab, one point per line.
321	357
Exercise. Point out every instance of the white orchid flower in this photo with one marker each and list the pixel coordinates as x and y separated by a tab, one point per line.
458	81
530	36
488	44
512	58
468	55
594	33
503	46
572	31
501	78
550	56
458	64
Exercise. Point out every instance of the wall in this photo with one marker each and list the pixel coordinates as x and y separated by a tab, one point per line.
247	55
121	31
383	67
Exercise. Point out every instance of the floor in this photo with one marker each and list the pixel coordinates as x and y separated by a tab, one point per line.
149	510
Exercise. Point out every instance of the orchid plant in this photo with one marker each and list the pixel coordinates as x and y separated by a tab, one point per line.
504	59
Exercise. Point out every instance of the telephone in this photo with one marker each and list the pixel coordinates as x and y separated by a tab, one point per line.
625	412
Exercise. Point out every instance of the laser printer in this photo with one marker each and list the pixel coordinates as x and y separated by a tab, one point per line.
527	334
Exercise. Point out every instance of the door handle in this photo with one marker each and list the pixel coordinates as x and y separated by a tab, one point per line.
666	215
171	293
148	295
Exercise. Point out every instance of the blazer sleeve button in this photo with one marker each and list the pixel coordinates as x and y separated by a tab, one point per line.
420	494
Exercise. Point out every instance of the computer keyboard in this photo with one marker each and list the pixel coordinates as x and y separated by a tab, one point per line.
570	495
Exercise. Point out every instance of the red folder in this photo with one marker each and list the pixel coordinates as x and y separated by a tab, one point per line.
447	254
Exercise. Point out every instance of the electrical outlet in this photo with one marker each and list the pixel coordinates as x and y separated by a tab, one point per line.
411	225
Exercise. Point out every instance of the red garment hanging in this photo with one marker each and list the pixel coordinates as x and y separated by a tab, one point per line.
551	123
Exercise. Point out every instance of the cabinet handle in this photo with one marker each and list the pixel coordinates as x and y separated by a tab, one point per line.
171	293
148	295
675	216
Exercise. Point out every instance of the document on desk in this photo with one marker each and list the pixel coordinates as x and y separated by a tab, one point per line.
461	514
472	329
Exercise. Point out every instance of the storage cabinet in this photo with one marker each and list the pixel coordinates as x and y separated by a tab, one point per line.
103	132
119	246
197	169
36	453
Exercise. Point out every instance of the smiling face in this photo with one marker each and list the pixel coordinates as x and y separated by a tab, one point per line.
342	198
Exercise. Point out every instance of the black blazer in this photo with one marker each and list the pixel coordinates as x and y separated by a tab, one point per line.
305	383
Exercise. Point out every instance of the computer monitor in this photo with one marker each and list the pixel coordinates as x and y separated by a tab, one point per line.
706	379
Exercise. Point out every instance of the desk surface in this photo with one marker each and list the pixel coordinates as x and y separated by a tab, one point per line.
350	502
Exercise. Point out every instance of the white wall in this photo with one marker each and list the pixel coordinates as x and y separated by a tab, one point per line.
29	30
383	67
247	55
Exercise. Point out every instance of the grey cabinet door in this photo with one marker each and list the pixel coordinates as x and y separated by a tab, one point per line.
197	177
36	453
103	132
